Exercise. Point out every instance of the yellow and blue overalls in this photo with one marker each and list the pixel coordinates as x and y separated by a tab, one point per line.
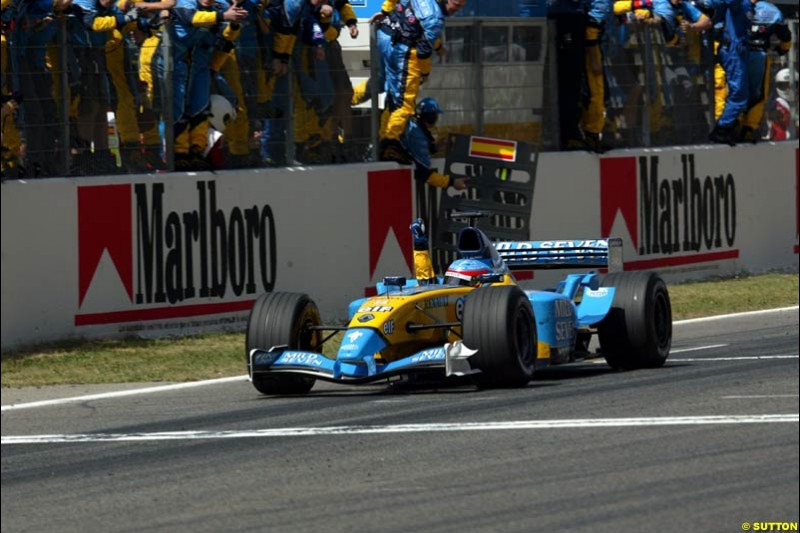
410	31
419	142
90	28
31	37
194	30
594	112
241	71
11	141
767	22
732	92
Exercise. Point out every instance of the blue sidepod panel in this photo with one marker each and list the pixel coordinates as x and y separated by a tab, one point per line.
555	319
595	305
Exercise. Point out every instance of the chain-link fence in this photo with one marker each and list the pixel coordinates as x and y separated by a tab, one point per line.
82	102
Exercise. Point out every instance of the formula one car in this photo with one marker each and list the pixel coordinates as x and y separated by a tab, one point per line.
476	321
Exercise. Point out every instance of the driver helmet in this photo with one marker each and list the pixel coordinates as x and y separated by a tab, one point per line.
465	272
428	110
221	113
783	84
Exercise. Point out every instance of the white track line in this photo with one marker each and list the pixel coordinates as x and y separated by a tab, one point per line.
710	346
118	394
759	396
740	358
735	315
407	428
165	388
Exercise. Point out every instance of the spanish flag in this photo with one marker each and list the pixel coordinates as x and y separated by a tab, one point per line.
486	148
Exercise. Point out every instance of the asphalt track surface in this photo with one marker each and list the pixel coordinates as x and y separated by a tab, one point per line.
705	444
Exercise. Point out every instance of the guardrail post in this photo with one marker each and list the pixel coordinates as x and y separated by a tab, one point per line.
374	62
479	100
650	93
167	104
65	94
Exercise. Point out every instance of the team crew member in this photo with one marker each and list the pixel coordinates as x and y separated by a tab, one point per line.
418	142
93	24
322	110
292	10
781	127
569	19
237	64
766	28
414	27
11	162
731	20
363	91
194	28
633	10
339	129
273	90
310	63
287	27
117	62
675	15
594	115
150	86
34	30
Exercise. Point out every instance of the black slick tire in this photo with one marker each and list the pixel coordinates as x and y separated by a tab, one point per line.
499	323
282	318
637	332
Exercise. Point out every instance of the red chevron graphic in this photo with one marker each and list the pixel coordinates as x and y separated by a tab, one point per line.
389	193
618	192
104	223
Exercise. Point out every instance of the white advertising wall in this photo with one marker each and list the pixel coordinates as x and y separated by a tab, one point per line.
181	253
689	212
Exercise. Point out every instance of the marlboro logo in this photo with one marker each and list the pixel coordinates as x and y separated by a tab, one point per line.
672	220
173	264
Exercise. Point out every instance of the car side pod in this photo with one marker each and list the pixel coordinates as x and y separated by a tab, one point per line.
594	306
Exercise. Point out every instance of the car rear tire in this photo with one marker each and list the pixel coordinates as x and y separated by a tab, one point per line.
282	318
637	332
499	323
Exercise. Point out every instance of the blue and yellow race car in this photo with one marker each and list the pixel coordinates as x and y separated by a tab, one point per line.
474	321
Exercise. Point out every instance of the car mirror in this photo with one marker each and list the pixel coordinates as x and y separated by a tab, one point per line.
394	281
490	278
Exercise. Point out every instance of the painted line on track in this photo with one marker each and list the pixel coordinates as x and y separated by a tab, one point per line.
696	348
716	359
735	315
738	358
119	394
167	388
405	428
759	396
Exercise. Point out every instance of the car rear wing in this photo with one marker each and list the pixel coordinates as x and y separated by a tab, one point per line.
590	253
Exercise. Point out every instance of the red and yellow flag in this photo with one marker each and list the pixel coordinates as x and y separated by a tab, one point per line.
486	148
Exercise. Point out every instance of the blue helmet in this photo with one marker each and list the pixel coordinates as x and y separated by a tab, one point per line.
466	271
428	106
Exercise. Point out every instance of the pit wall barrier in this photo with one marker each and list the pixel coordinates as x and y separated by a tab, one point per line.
160	255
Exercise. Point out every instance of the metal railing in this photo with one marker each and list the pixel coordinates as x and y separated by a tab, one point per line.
110	108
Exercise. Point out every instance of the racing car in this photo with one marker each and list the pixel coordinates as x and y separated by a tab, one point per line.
474	321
